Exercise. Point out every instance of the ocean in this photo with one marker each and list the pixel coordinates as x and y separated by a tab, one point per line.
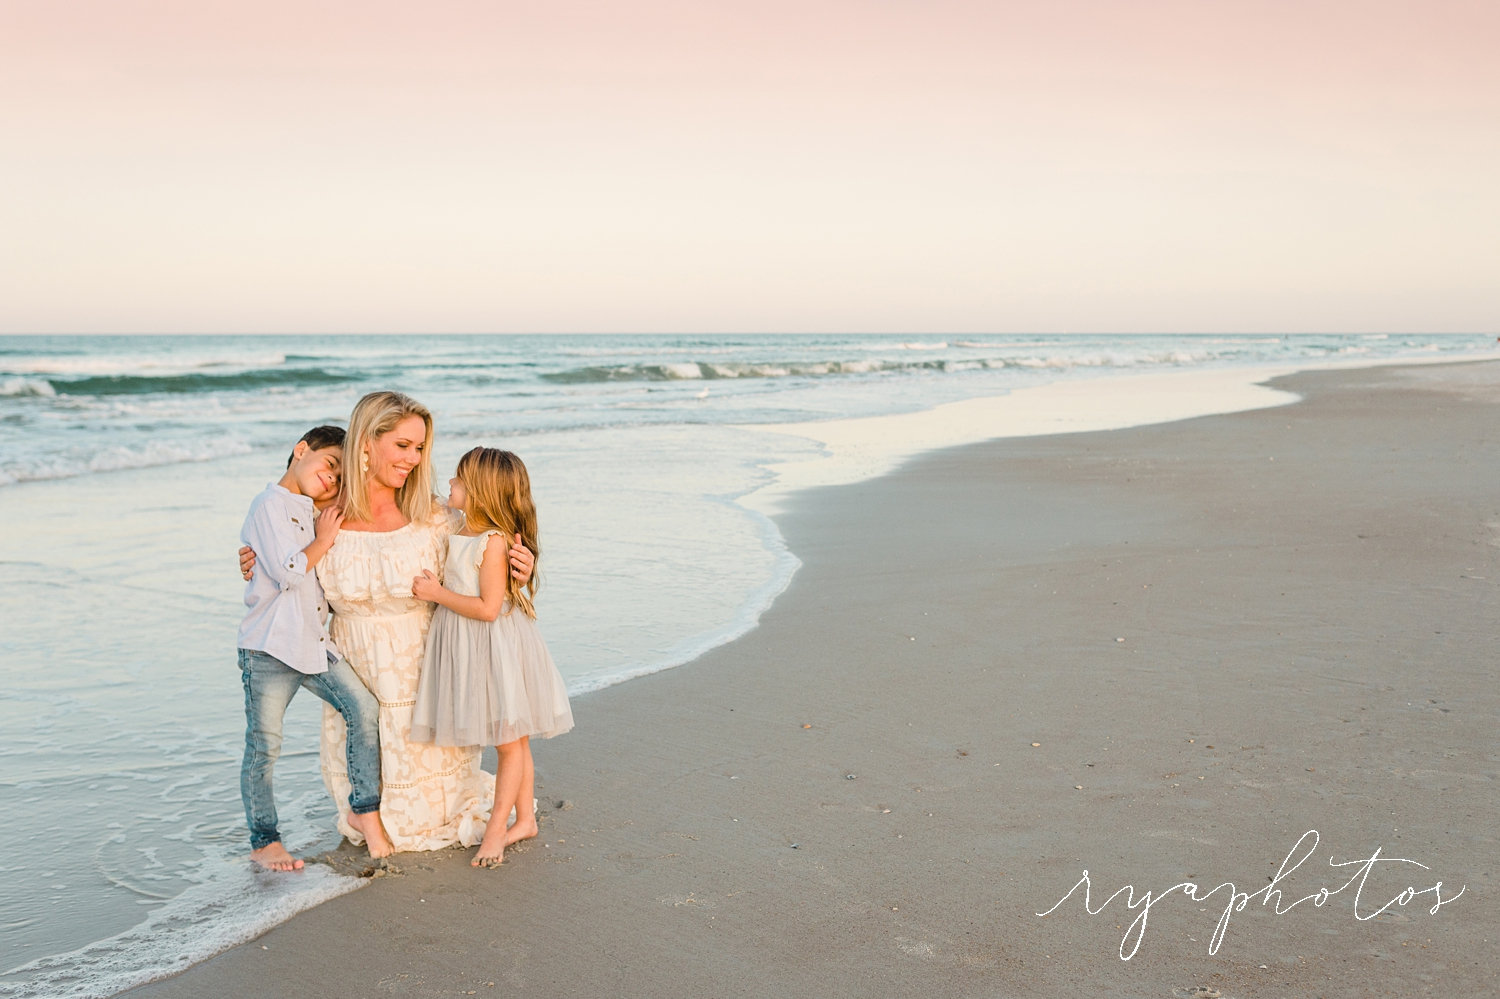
126	466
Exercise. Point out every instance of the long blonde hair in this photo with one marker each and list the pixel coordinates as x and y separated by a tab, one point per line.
375	416
498	498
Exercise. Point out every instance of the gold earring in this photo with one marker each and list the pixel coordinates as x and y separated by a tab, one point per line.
364	462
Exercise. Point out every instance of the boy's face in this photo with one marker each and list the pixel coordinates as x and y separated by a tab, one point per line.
317	474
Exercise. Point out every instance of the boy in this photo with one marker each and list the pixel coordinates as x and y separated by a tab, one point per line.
284	645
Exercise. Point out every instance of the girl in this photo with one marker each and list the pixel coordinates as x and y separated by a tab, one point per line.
487	678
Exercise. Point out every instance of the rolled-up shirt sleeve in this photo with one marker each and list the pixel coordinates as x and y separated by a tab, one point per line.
278	542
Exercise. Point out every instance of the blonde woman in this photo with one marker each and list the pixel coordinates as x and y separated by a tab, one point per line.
394	529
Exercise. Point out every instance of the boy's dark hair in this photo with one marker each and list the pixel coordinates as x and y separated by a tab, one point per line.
317	439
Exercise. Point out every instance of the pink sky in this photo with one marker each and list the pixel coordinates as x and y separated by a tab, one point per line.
707	166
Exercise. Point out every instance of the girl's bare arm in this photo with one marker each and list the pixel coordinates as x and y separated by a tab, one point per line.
492	573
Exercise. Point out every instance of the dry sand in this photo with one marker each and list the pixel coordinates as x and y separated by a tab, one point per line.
1160	654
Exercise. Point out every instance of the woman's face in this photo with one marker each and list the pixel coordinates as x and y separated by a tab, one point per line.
395	453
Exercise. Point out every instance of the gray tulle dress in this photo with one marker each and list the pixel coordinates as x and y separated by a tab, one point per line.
485	683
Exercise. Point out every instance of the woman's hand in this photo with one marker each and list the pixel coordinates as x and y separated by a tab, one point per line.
426	586
521	560
247	562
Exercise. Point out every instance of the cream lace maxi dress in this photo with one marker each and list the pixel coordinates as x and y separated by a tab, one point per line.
431	796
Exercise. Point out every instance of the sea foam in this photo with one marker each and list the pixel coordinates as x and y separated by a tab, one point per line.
151	454
236	903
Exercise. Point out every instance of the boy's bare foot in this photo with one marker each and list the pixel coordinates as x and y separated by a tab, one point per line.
376	841
521	830
273	857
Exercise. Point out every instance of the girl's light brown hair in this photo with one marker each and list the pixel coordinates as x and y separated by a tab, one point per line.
375	416
498	492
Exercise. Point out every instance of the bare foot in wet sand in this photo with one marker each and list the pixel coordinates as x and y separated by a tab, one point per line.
376	841
492	854
523	829
492	847
274	857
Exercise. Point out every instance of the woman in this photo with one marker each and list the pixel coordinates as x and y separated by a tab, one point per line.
394	527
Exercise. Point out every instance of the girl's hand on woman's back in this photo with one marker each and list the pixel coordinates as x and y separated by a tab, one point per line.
247	561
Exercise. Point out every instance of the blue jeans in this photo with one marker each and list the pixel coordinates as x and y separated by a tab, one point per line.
269	687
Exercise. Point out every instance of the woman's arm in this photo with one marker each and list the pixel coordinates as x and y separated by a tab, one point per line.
486	606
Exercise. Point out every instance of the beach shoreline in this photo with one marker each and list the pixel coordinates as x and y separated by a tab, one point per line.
165	431
861	448
1159	654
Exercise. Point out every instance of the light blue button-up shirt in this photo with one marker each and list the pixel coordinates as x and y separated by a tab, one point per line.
288	616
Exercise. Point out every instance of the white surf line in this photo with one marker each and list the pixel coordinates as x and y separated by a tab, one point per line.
865	447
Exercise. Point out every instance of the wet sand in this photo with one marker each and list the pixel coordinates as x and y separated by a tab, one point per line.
1161	654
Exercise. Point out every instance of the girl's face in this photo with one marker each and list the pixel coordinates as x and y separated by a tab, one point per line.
395	453
457	494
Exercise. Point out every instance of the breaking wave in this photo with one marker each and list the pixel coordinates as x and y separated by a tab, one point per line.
713	369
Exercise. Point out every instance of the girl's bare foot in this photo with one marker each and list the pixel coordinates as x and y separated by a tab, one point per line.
376	841
492	847
273	857
523	829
